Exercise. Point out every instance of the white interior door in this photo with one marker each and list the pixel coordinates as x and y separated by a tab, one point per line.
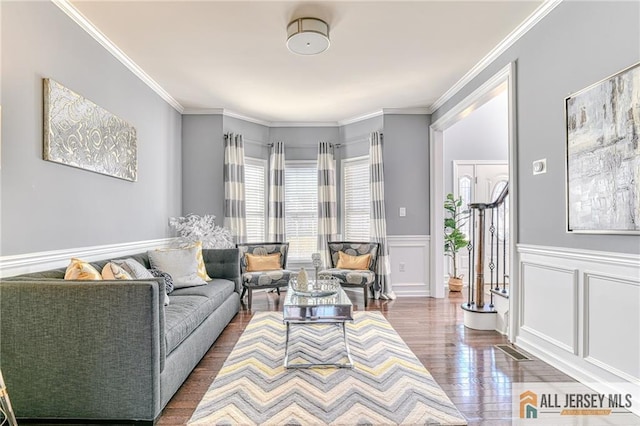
481	182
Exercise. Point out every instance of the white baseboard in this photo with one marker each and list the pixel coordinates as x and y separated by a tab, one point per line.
42	261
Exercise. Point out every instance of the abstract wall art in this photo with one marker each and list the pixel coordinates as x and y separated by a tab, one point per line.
81	134
603	155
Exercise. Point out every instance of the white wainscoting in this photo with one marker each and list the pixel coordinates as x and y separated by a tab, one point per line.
409	258
580	312
42	261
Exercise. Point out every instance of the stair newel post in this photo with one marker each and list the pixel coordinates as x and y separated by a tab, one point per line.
479	288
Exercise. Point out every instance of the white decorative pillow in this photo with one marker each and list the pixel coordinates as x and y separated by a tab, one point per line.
181	264
138	272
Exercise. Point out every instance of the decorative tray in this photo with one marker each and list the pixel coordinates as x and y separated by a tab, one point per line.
324	287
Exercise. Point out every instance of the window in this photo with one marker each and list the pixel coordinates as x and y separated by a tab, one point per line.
464	191
301	209
356	199
502	212
255	189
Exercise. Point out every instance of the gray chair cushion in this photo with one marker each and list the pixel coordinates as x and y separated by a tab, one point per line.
351	277
277	278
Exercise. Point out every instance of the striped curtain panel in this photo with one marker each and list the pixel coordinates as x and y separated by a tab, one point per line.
327	200
378	222
234	200
276	193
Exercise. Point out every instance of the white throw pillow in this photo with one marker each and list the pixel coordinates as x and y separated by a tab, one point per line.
181	264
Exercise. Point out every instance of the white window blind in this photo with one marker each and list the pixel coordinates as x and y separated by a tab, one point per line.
356	199
301	210
255	189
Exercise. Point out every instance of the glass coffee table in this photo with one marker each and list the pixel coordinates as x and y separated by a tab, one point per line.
306	308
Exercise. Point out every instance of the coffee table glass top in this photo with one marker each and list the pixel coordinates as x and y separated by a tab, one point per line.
332	308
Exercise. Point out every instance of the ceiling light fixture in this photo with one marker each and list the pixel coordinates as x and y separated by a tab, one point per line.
308	36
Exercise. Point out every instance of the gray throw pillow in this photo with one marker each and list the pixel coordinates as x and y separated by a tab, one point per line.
181	264
139	272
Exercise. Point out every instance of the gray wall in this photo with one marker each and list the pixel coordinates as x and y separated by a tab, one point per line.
202	166
406	173
482	135
48	206
301	143
576	45
406	156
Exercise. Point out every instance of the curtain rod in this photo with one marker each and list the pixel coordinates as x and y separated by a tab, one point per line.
354	140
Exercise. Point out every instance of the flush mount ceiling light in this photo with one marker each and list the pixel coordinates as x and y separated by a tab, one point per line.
308	36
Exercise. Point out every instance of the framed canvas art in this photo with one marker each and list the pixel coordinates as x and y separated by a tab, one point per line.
81	134
603	155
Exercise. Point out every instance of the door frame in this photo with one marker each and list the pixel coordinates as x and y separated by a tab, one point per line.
505	78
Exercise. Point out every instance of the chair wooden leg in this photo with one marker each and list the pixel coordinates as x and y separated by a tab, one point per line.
278	290
244	290
366	295
249	299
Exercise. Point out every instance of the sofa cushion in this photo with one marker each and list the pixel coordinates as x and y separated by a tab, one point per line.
190	307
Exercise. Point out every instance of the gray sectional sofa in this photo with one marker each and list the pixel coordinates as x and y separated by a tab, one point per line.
108	350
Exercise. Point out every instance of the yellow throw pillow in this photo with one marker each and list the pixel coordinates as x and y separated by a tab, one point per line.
346	261
111	271
269	262
81	270
202	270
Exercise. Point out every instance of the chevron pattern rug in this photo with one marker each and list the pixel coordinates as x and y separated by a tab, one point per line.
387	386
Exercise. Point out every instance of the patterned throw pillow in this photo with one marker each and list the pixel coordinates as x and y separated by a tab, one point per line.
346	261
81	270
111	271
133	268
202	270
168	281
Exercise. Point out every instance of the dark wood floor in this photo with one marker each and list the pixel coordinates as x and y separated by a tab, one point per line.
476	376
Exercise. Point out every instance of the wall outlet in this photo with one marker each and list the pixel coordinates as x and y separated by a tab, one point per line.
540	166
401	267
403	211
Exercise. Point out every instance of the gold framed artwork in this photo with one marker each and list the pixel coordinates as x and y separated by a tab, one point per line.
81	134
603	155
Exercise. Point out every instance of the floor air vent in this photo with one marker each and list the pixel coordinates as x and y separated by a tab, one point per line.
513	352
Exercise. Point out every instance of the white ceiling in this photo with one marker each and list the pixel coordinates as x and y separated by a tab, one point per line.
232	55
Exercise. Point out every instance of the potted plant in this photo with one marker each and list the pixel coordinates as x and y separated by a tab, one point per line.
454	238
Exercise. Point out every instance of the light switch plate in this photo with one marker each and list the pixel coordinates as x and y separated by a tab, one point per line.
540	166
403	211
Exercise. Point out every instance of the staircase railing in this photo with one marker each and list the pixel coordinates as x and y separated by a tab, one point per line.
481	244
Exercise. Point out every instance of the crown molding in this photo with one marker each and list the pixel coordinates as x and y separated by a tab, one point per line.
543	10
304	124
203	111
94	32
407	111
360	118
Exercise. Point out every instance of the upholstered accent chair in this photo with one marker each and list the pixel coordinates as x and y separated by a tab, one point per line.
349	264
263	265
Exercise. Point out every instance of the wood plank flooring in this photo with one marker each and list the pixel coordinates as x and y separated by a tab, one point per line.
475	375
